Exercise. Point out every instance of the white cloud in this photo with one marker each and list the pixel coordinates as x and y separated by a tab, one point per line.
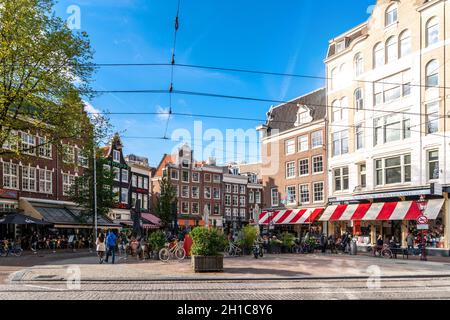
163	113
89	108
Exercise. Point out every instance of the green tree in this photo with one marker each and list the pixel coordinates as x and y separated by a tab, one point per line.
82	191
45	73
166	201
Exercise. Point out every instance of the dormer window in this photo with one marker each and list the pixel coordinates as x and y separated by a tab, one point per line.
340	46
391	15
303	116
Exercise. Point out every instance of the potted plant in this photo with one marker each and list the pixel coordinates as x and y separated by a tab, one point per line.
288	241
250	233
275	246
157	240
206	250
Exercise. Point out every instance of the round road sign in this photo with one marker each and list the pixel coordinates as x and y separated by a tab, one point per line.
422	220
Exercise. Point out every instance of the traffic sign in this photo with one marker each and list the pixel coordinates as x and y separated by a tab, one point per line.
422	220
423	227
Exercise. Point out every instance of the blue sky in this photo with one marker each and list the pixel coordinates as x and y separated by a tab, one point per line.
280	36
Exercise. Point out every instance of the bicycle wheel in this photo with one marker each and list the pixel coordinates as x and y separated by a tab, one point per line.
386	253
180	253
18	252
164	255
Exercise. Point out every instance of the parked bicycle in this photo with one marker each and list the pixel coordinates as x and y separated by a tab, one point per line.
382	252
233	250
172	250
7	248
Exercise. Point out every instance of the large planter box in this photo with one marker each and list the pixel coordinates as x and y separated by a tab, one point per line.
207	264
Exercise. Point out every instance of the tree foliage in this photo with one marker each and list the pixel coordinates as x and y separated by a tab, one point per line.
166	201
45	73
82	192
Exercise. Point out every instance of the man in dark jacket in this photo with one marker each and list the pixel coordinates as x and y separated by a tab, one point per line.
111	241
323	243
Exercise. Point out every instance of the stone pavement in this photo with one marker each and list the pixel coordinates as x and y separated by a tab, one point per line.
270	267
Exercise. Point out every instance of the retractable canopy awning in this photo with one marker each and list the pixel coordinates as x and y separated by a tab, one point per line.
382	211
287	217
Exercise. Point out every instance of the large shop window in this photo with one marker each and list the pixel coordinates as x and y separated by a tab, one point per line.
392	128
393	170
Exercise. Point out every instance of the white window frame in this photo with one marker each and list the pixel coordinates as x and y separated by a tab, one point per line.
291	191
316	192
290	170
343	177
116	156
258	197
290	146
302	193
317	139
45	148
429	178
174	174
315	162
251	197
195	192
196	174
124	191
124	175
45	181
383	169
29	179
185	192
274	197
340	137
27	143
302	164
10	176
303	143
207	192
68	181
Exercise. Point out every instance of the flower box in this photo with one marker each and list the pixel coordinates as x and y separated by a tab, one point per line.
207	263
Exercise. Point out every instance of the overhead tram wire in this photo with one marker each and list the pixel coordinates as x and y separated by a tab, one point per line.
233	97
177	24
249	71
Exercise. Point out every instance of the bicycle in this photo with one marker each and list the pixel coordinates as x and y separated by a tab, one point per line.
13	249
172	250
384	252
233	250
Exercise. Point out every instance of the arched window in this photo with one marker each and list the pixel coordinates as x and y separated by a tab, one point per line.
391	15
432	74
391	49
359	99
405	43
359	65
378	55
334	78
337	111
432	32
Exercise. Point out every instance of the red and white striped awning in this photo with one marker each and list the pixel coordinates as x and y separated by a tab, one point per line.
285	217
382	211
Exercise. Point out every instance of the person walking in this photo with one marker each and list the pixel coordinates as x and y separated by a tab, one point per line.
34	242
101	247
410	243
323	243
111	242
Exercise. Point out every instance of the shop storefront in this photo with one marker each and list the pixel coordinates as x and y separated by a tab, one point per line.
296	221
392	220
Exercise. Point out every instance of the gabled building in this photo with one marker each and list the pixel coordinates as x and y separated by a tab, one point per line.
294	162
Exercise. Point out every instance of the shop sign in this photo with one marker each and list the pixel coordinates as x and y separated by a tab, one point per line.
8	194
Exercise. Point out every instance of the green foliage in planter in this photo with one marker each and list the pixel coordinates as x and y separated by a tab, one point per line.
206	242
250	233
157	240
275	242
288	239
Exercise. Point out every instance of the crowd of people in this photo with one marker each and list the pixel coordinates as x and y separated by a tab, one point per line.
36	241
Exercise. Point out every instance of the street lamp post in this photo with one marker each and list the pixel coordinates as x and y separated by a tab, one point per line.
422	203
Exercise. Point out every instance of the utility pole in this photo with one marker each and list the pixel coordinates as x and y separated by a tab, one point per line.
95	195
